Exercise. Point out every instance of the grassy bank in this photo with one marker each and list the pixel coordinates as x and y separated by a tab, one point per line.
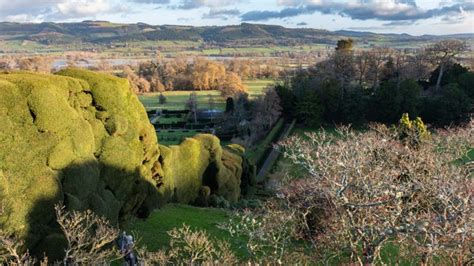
152	231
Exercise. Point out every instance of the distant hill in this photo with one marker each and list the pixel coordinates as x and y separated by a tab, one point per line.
243	35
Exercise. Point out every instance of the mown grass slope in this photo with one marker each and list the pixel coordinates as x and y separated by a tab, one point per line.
152	231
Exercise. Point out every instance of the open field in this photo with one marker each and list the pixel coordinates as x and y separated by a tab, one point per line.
176	100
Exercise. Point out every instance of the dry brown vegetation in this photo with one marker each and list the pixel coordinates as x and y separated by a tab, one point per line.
90	238
365	190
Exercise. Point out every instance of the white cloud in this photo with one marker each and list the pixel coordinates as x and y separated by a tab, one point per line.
83	8
24	18
41	10
191	4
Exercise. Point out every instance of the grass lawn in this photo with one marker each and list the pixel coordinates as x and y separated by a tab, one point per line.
255	87
469	156
174	137
176	100
152	231
171	119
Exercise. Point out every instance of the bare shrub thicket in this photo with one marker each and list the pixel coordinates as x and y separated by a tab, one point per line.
90	238
12	249
190	247
270	233
364	190
91	241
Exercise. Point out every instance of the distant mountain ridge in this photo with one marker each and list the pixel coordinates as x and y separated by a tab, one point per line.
104	32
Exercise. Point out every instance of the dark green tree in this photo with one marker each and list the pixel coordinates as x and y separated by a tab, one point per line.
309	110
287	100
389	102
162	99
452	106
466	84
229	105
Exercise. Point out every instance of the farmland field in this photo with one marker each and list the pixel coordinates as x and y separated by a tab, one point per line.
176	99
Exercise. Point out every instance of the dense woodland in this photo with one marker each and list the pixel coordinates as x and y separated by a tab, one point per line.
356	87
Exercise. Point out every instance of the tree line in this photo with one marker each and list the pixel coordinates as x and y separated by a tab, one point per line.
380	85
158	75
196	74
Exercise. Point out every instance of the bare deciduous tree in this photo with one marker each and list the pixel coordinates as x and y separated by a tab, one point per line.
90	237
7	63
41	64
192	105
442	54
137	83
195	246
343	68
266	110
377	57
270	232
12	251
375	189
104	65
362	65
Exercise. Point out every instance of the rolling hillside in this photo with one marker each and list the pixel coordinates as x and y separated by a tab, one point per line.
18	37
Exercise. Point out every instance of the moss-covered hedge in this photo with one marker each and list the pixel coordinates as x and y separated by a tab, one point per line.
200	161
84	138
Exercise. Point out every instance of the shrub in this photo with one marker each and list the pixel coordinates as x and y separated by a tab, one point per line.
84	138
380	192
451	107
162	99
88	236
391	100
269	230
413	132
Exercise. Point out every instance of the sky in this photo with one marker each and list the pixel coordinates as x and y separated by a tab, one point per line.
416	17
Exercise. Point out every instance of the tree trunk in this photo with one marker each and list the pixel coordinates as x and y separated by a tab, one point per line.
440	76
424	259
375	84
369	253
